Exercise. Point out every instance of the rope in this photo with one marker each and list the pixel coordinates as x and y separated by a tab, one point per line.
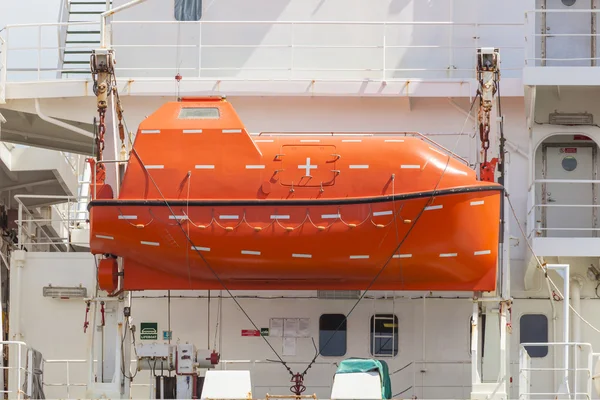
133	150
543	267
431	198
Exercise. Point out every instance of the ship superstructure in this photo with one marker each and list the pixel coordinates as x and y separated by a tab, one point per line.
121	188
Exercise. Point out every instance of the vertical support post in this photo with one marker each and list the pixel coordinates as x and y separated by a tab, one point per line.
594	187
475	377
593	32
3	71
383	72
563	271
29	372
292	50
544	32
20	226
39	49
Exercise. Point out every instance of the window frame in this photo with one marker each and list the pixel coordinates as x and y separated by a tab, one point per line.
345	330
187	20
396	336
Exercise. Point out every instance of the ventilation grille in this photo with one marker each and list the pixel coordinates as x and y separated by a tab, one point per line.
571	119
338	294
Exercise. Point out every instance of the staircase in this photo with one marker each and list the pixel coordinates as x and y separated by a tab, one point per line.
82	39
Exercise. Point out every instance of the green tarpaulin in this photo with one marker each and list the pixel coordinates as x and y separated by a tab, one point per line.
368	365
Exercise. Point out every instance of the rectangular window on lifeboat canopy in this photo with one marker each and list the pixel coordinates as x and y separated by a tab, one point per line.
199	113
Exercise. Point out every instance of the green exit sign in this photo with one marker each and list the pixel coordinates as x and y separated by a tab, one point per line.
149	330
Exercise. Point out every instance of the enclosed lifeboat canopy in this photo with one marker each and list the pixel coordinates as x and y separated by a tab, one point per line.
203	204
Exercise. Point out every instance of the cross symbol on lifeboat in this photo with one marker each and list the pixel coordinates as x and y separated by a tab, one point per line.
307	167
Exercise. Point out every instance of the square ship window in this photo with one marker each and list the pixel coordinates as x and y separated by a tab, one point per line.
332	343
534	329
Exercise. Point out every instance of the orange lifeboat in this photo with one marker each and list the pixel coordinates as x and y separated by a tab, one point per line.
203	204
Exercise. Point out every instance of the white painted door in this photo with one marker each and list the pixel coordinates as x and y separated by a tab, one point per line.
572	163
573	48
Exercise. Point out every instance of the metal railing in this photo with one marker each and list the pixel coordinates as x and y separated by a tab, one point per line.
539	203
68	384
455	373
539	49
276	50
417	369
421	136
29	224
20	385
571	372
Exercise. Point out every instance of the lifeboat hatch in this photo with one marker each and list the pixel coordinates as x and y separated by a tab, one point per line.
308	165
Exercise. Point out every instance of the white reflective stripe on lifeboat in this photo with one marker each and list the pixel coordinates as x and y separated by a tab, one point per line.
232	131
402	255
379	213
255	167
359	166
302	255
251	252
149	131
177	217
330	216
434	207
482	252
200	248
408	166
229	217
360	257
280	217
192	131
477	203
105	237
127	216
263	141
448	254
150	243
205	166
155	166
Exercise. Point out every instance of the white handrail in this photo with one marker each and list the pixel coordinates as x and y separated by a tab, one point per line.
374	67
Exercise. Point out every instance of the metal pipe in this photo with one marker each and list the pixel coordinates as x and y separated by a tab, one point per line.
564	271
576	285
475	378
110	12
59	123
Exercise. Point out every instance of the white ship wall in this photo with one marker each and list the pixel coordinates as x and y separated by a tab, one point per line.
446	328
433	334
269	50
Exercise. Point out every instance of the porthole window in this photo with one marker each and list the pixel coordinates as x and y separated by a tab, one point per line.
569	163
568	3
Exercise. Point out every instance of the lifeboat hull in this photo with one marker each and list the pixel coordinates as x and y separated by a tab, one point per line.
205	205
409	243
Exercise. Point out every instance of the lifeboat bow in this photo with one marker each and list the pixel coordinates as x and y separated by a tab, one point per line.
204	204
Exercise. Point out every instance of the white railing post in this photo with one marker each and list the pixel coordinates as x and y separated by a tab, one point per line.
383	72
3	67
